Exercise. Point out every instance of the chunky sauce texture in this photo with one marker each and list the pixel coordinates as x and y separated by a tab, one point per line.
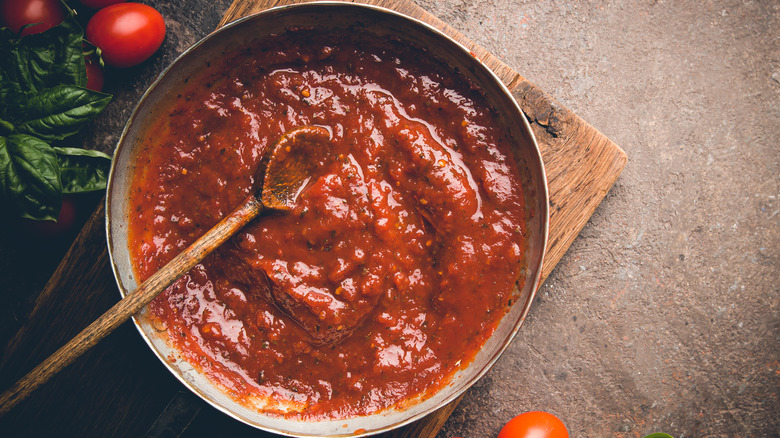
399	259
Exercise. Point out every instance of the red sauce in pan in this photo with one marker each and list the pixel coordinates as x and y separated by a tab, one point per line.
399	259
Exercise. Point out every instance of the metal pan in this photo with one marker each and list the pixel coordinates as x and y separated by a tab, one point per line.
330	15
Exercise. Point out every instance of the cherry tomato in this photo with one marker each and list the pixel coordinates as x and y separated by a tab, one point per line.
99	4
126	33
44	14
95	78
535	424
65	221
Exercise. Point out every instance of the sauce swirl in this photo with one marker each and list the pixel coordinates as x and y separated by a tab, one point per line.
397	263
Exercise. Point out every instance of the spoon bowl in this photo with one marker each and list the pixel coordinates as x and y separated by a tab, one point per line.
288	171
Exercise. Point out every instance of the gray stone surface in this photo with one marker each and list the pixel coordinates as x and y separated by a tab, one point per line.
664	315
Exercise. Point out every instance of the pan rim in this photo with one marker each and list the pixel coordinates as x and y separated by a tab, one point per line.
303	8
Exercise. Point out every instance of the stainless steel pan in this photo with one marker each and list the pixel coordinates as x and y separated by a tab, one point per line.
329	15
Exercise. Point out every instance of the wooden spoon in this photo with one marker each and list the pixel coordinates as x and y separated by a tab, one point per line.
280	178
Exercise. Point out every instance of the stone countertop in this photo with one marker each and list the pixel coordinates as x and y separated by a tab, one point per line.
664	315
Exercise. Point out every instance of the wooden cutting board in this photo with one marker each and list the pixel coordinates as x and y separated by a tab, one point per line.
119	388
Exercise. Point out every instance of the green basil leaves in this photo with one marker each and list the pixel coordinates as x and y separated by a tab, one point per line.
30	176
82	170
59	112
44	100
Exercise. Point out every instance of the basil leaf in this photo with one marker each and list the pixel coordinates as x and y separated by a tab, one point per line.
6	127
83	170
43	99
44	60
30	176
59	112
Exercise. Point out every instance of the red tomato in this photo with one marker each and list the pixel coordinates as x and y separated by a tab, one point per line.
95	78
65	221
99	4
126	33
535	424
44	14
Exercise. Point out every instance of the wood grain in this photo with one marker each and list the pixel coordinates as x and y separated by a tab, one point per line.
117	389
122	388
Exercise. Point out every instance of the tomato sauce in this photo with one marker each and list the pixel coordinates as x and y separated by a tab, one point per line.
399	259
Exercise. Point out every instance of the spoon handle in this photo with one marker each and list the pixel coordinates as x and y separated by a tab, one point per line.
132	302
